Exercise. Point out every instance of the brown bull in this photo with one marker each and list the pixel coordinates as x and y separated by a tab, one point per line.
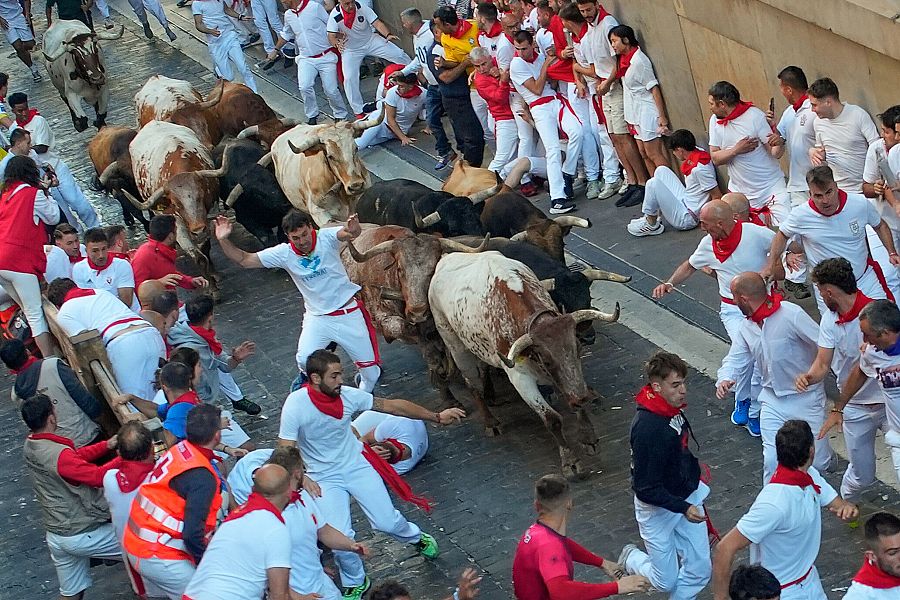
240	108
161	96
201	118
108	151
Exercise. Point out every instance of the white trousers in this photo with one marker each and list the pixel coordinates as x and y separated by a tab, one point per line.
669	537
324	67
365	486
227	50
229	387
547	122
590	153
806	406
861	424
71	556
25	290
71	199
479	105
609	160
808	589
506	134
171	577
134	357
352	332
664	193
375	135
266	15
749	386
352	59
102	8
140	8
526	133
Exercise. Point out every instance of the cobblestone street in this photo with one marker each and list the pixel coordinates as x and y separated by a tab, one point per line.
482	486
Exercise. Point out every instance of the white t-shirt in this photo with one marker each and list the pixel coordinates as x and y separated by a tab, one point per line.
500	48
119	502
412	433
639	79
846	140
858	591
408	109
885	369
58	263
786	523
544	40
755	174
871	174
307	29
320	276
697	185
10	10
841	235
240	479
118	274
98	312
603	55
846	339
894	160
360	31
796	127
423	41
521	71
328	445
304	519
235	562
214	17
751	255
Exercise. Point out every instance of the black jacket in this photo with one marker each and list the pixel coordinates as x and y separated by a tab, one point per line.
663	470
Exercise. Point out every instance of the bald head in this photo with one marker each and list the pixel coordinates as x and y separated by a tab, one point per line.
749	285
738	203
509	20
717	210
149	290
273	482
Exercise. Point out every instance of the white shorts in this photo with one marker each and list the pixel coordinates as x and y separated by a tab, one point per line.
614	110
72	555
19	30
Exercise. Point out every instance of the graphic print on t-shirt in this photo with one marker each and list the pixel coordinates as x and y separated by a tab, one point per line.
889	377
312	264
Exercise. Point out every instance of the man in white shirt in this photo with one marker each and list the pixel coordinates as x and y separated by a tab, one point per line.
352	30
304	23
785	521
102	271
877	162
64	254
741	138
879	577
796	127
731	247
844	132
212	18
18	32
332	312
780	340
403	103
316	418
839	342
240	478
401	441
262	568
491	36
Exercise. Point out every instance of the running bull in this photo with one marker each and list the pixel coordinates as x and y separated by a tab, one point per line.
109	154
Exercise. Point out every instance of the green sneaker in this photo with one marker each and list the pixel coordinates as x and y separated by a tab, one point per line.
355	593
427	546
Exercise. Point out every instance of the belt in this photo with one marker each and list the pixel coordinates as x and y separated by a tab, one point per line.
727	300
542	100
122	322
343	311
321	54
799	579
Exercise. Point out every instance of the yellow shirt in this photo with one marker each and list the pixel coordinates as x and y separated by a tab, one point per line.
456	49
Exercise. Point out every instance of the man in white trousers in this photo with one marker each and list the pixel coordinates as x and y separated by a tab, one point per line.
267	19
879	322
357	32
333	313
780	340
730	248
492	85
785	521
212	18
528	73
317	419
840	339
304	23
140	8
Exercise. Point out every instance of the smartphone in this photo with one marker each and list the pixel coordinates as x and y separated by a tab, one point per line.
772	105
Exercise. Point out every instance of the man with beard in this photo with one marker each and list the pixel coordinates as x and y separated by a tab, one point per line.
317	419
879	577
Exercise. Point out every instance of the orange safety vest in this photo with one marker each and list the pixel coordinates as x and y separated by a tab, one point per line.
156	520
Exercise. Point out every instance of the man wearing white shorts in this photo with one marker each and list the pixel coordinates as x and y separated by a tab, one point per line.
212	18
352	30
333	313
18	33
304	23
316	418
405	440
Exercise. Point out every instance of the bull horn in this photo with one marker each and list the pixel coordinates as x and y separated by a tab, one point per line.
234	195
248	132
591	313
108	172
265	161
485	194
306	145
360	126
63	48
226	158
548	284
372	252
519	237
568	221
105	35
427	220
290	122
518	347
598	275
454	246
150	202
389	294
206	104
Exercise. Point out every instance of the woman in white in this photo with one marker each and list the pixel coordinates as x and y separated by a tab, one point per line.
402	105
645	109
211	18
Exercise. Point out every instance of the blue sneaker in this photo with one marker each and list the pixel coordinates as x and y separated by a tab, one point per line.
753	426
741	412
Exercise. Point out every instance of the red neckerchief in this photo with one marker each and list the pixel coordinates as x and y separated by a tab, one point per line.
122	255
796	105
327	405
625	62
28	362
656	403
255	501
533	58
167	252
696	157
786	476
510	38
297	496
462	28
98	268
767	308
870	575
858	304
755	215
388	71
209	336
740	108
74	259
32	112
311	248
412	93
300	8
77	292
396	445
601	13
189	397
132	474
349	17
842	201
580	35
393	480
726	246
53	438
495	30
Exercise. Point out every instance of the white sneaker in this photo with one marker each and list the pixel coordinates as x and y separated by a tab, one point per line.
641	228
623	187
593	189
623	557
610	188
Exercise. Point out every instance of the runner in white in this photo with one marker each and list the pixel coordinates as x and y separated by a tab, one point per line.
18	32
839	342
332	312
316	418
267	19
240	479
780	340
877	161
401	441
352	30
785	521
212	18
102	271
140	8
402	105
879	577
796	127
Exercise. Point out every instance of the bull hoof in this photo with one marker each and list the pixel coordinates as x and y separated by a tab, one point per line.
591	448
493	430
81	124
574	470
